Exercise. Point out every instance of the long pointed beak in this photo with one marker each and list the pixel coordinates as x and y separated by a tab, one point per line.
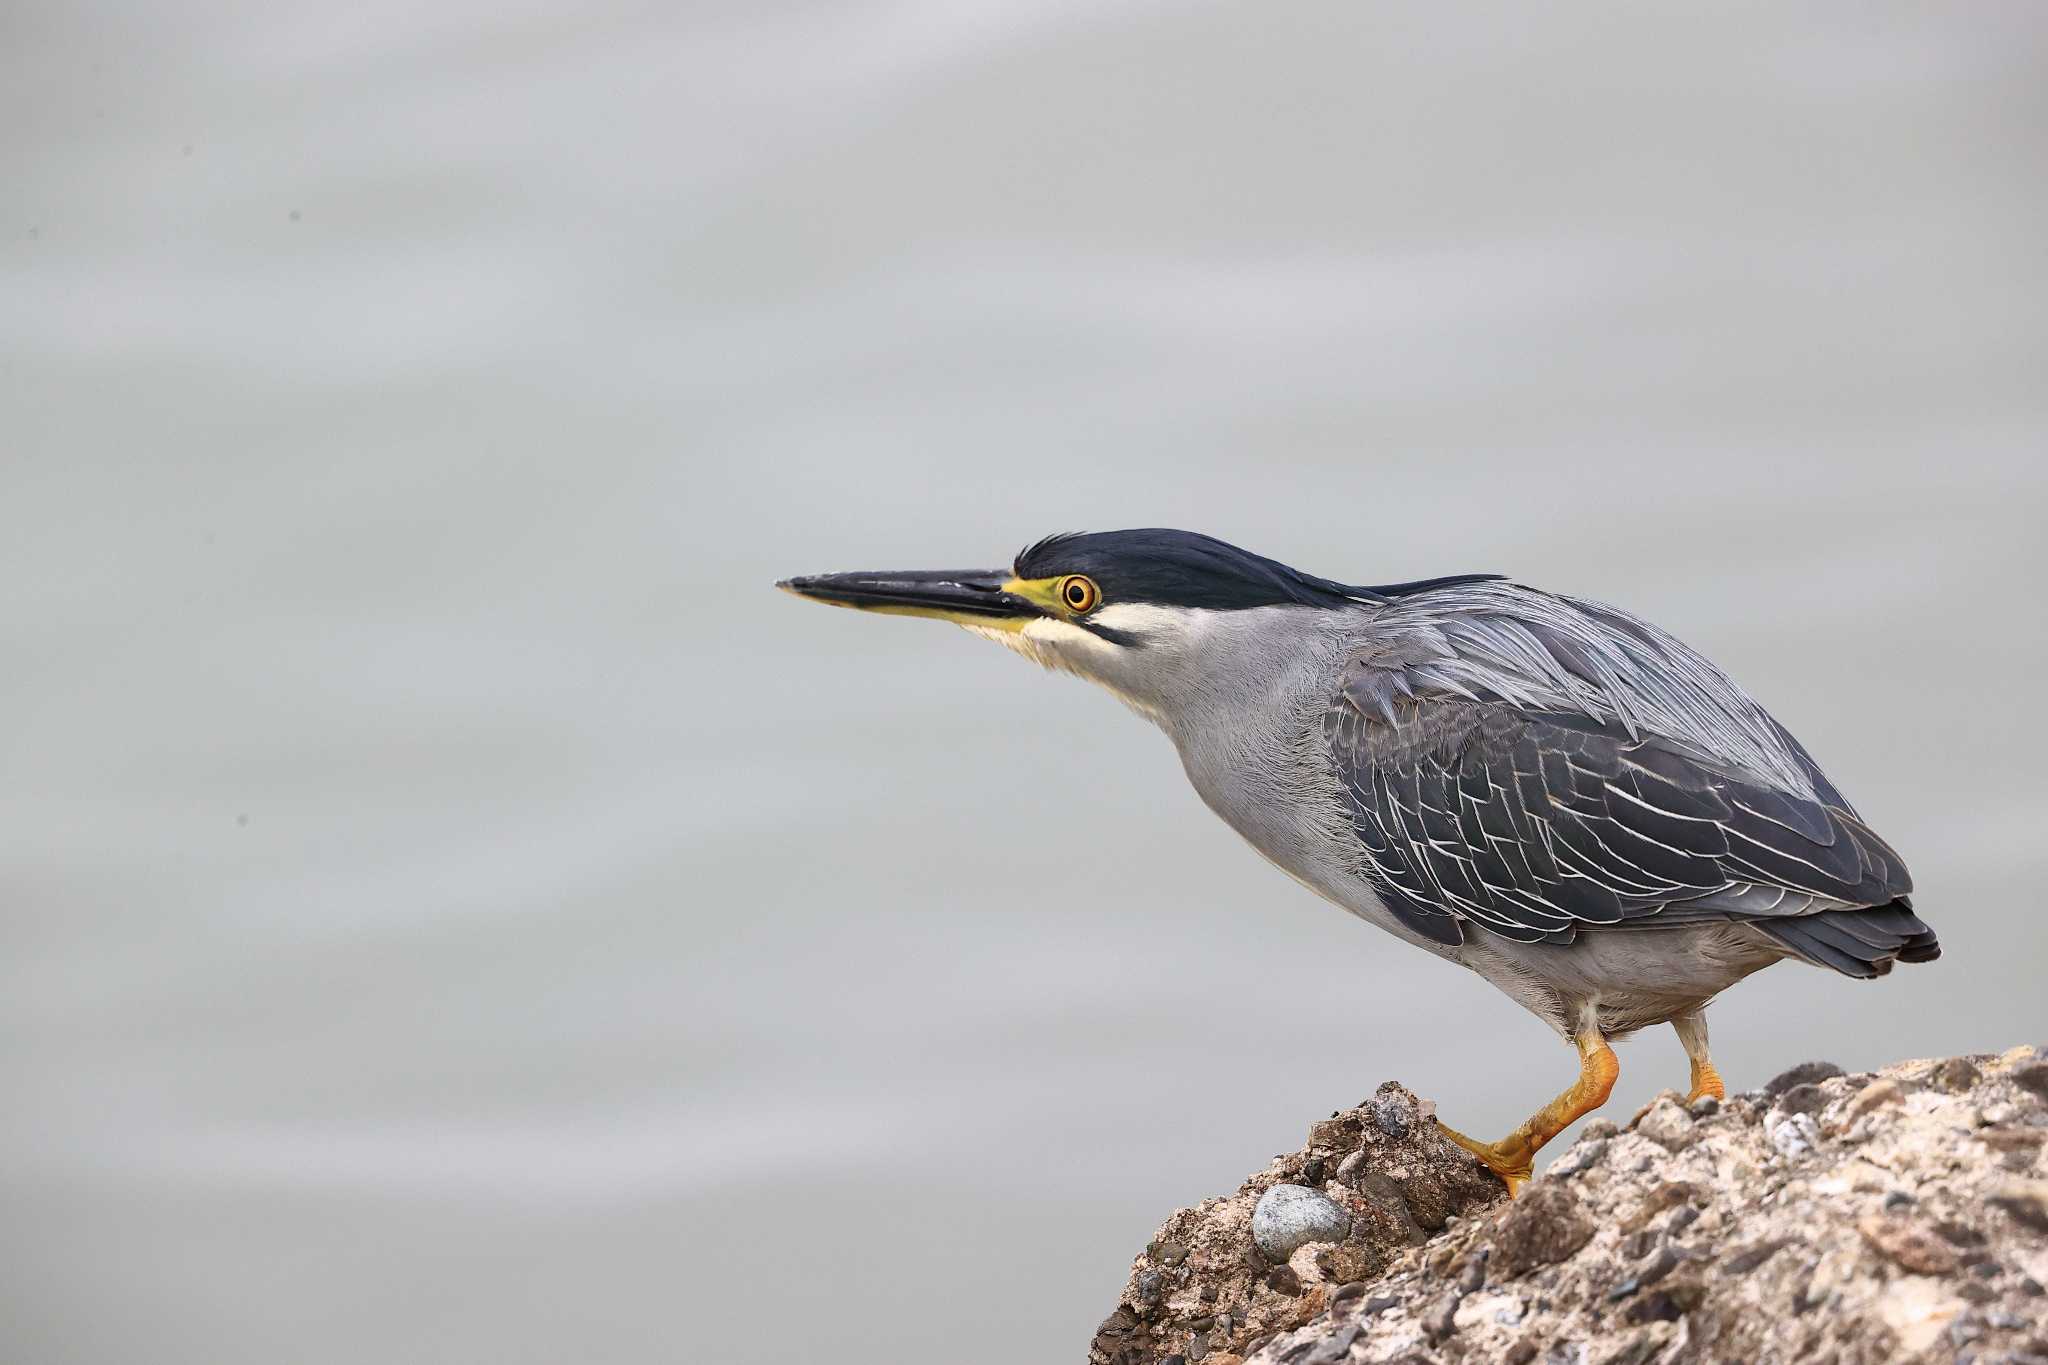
967	596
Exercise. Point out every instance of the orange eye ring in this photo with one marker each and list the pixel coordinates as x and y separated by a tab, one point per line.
1078	594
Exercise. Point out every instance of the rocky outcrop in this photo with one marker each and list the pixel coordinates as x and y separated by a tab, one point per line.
1828	1219
1206	1289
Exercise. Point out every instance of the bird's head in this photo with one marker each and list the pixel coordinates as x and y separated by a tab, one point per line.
1126	609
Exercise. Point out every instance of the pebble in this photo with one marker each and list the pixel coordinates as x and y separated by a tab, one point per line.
1390	1115
1795	1135
1582	1157
1117	1324
1962	1234
1806	1073
1704	1106
1668	1125
2025	1200
1957	1074
1663	1263
1973	1291
1336	1349
1873	1095
1909	1243
1803	1099
1754	1255
2033	1079
1288	1217
1542	1227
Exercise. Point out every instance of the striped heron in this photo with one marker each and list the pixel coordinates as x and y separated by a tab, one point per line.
1547	790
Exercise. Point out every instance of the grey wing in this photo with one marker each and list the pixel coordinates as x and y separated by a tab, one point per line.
1539	825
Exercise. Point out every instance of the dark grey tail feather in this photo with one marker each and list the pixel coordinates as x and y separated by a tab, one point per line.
1859	943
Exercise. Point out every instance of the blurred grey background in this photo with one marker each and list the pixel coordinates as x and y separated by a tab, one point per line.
455	911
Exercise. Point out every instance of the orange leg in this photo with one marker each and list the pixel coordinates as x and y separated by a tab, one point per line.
1692	1033
1514	1156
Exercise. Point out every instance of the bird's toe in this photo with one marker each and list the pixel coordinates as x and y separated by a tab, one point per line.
1513	1167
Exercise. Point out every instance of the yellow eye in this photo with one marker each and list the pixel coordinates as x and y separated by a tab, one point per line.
1079	594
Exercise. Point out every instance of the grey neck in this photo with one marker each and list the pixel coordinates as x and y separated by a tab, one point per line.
1244	706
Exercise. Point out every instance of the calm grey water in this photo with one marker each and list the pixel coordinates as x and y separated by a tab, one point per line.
456	912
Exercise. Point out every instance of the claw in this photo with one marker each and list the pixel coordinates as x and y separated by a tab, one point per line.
1692	1032
1706	1081
1513	1172
1513	1158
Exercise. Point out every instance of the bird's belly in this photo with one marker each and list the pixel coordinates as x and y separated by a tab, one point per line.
1633	977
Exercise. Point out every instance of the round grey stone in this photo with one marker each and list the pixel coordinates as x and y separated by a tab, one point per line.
1291	1216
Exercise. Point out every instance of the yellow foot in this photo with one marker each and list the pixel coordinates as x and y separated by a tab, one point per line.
1513	1171
1514	1156
1706	1081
